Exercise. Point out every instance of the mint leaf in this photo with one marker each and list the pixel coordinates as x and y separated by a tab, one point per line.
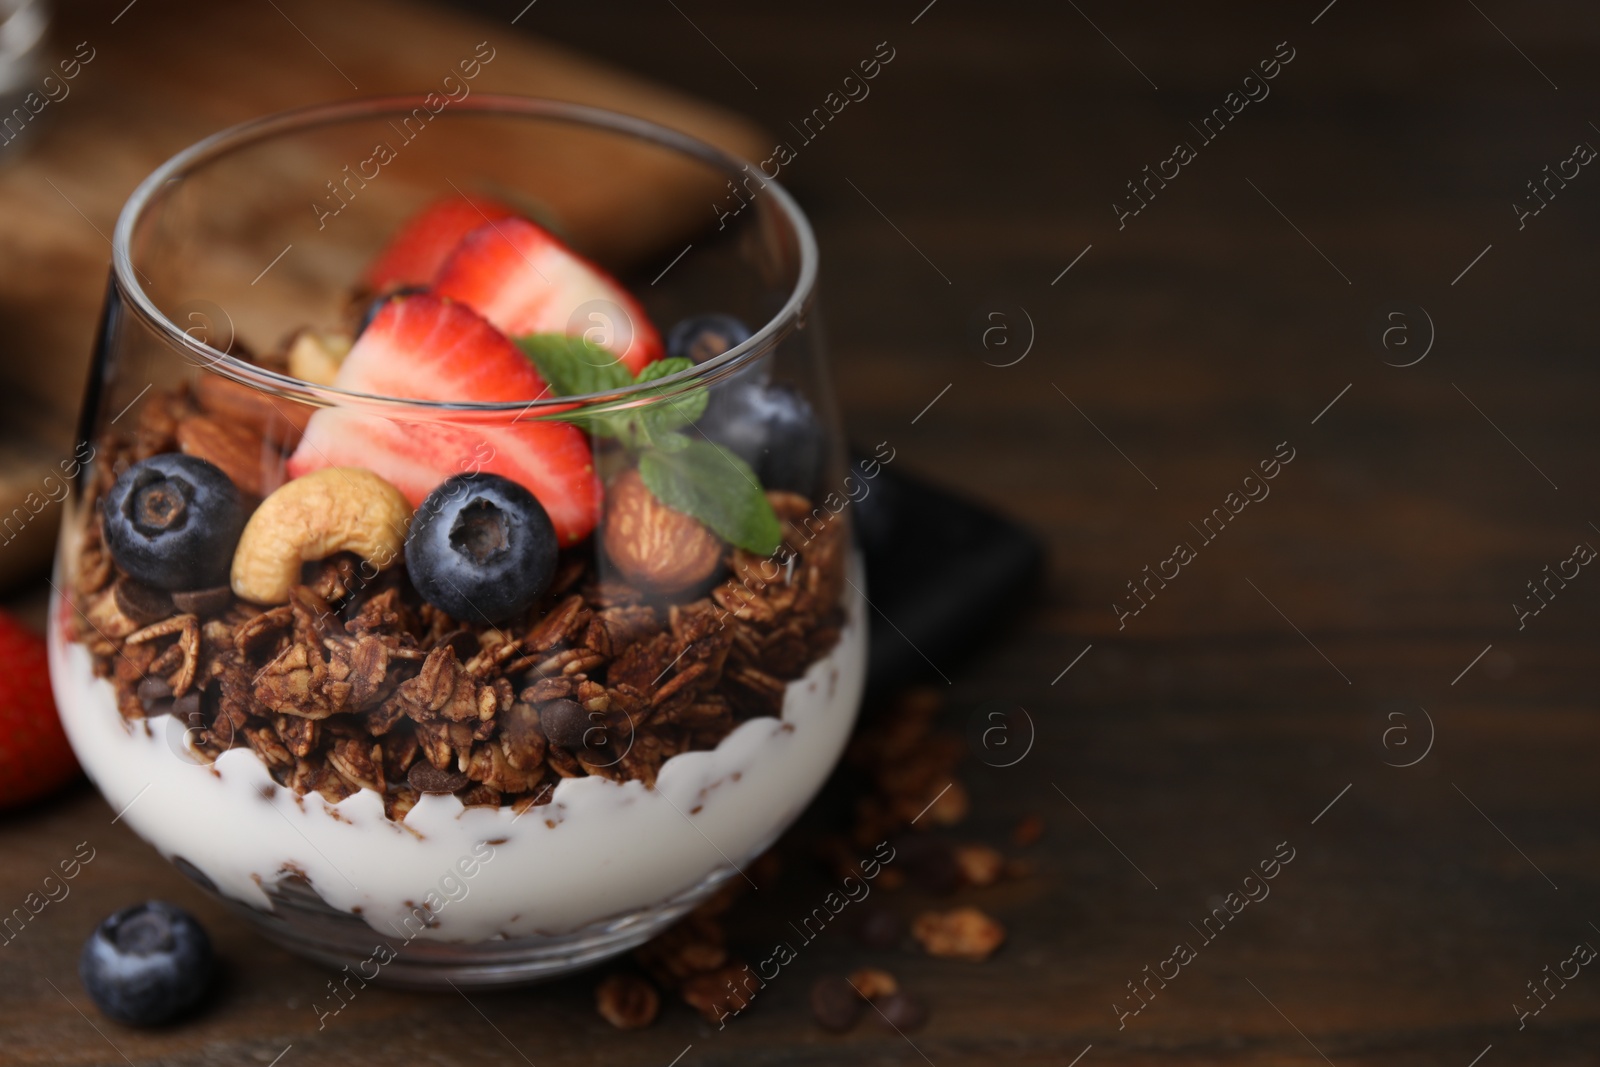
672	412
715	486
574	366
672	442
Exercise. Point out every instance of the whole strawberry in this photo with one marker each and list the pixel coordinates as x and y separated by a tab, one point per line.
35	758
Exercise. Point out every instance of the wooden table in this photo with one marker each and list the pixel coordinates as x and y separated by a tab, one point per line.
1358	618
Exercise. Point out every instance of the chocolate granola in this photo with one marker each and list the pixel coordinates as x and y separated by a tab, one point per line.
357	683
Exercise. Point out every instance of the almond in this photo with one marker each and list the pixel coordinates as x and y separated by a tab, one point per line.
238	451
654	546
279	421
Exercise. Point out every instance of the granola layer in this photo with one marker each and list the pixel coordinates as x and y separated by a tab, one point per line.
358	684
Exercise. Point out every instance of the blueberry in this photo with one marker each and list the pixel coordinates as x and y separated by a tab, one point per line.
481	548
172	521
771	427
377	302
702	337
146	964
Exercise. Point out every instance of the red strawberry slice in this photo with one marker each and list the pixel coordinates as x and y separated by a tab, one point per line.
415	254
521	278
424	347
35	758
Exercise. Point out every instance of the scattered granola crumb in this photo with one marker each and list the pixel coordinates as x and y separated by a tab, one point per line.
627	1001
717	994
693	946
873	983
960	934
950	807
980	865
1029	830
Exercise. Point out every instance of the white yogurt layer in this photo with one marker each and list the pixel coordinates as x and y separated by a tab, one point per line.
599	850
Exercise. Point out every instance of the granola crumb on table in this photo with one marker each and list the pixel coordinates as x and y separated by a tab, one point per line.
627	1001
960	933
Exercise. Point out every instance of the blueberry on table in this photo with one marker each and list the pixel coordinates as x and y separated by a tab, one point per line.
703	337
481	548
171	521
146	964
771	427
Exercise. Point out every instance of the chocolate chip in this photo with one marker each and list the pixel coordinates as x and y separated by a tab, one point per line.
465	642
204	602
142	603
835	1005
155	695
929	862
880	928
903	1011
568	725
186	709
426	778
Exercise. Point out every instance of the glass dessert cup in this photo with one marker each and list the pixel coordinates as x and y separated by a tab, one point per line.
486	795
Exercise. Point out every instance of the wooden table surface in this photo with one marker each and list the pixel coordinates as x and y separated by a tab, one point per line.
1360	617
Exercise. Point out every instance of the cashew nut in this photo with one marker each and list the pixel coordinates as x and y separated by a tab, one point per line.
335	509
315	356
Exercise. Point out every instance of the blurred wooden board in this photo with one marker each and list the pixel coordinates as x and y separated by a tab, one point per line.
163	75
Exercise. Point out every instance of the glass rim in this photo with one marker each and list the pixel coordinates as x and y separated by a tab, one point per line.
218	144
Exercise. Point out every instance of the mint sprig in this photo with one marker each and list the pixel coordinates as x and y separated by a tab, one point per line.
574	366
696	477
678	411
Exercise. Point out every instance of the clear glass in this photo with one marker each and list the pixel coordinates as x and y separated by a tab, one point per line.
374	782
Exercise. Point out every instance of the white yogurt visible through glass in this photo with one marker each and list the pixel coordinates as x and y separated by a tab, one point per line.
598	850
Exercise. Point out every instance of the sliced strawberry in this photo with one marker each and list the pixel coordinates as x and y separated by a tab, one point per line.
35	759
521	278
424	347
415	254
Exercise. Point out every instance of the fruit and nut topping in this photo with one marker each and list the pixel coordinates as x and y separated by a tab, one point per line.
315	356
332	510
438	599
652	545
171	521
453	649
481	548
